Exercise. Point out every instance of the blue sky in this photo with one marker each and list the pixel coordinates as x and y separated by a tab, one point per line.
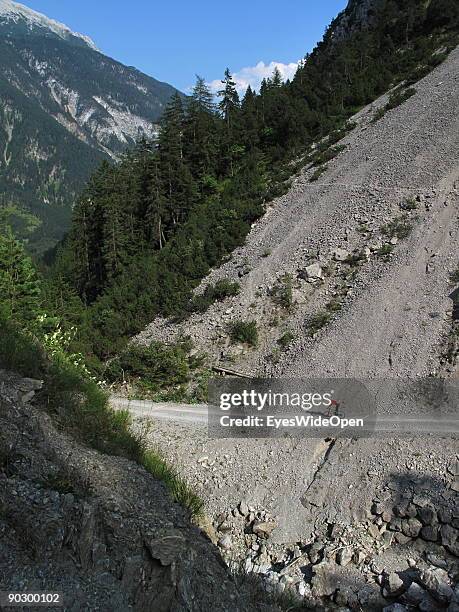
173	40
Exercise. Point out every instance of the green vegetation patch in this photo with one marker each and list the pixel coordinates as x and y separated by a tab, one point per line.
244	332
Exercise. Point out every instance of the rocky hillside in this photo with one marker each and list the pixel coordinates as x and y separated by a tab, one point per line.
349	274
97	528
64	106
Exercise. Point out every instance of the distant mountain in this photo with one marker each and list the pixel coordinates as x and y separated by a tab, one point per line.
64	106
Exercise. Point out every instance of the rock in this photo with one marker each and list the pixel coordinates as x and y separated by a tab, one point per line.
414	594
421	501
395	607
427	515
243	508
168	547
314	272
315	552
411	527
436	560
344	556
340	254
324	580
445	515
263	529
400	538
393	585
225	542
449	539
430	533
435	581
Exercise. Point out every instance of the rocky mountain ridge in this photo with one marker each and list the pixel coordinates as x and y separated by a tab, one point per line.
64	106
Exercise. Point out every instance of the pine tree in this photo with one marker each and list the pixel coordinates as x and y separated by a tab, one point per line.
20	287
201	132
229	104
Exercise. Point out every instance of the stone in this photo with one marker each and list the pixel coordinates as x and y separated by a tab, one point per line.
324	580
411	527
435	581
314	272
168	547
393	585
344	556
263	529
445	515
395	607
400	538
243	508
414	594
430	533
340	254
449	539
427	515
225	542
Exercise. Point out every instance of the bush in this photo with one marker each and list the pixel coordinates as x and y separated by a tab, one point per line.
282	293
385	251
286	339
317	174
454	276
157	366
409	204
334	306
245	332
214	293
398	228
317	321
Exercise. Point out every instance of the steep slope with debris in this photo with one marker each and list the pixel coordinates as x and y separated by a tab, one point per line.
396	176
363	256
97	528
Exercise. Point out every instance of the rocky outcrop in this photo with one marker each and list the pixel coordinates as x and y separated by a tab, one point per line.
358	15
95	527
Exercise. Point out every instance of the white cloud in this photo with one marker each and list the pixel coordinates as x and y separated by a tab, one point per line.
253	75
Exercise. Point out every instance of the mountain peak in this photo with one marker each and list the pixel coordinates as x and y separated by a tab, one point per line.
15	13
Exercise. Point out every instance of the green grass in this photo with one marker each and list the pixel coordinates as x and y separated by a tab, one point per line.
385	251
79	407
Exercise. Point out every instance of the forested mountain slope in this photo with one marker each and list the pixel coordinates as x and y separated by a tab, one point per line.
147	230
64	106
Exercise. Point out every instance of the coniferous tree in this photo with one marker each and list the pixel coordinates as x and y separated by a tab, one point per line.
20	287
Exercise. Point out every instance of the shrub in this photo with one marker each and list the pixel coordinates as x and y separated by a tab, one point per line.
286	339
157	366
245	332
454	276
282	293
214	293
317	174
317	321
385	251
334	306
398	228
81	407
409	204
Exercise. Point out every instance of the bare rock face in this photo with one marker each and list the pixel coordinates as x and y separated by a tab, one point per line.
98	528
358	15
